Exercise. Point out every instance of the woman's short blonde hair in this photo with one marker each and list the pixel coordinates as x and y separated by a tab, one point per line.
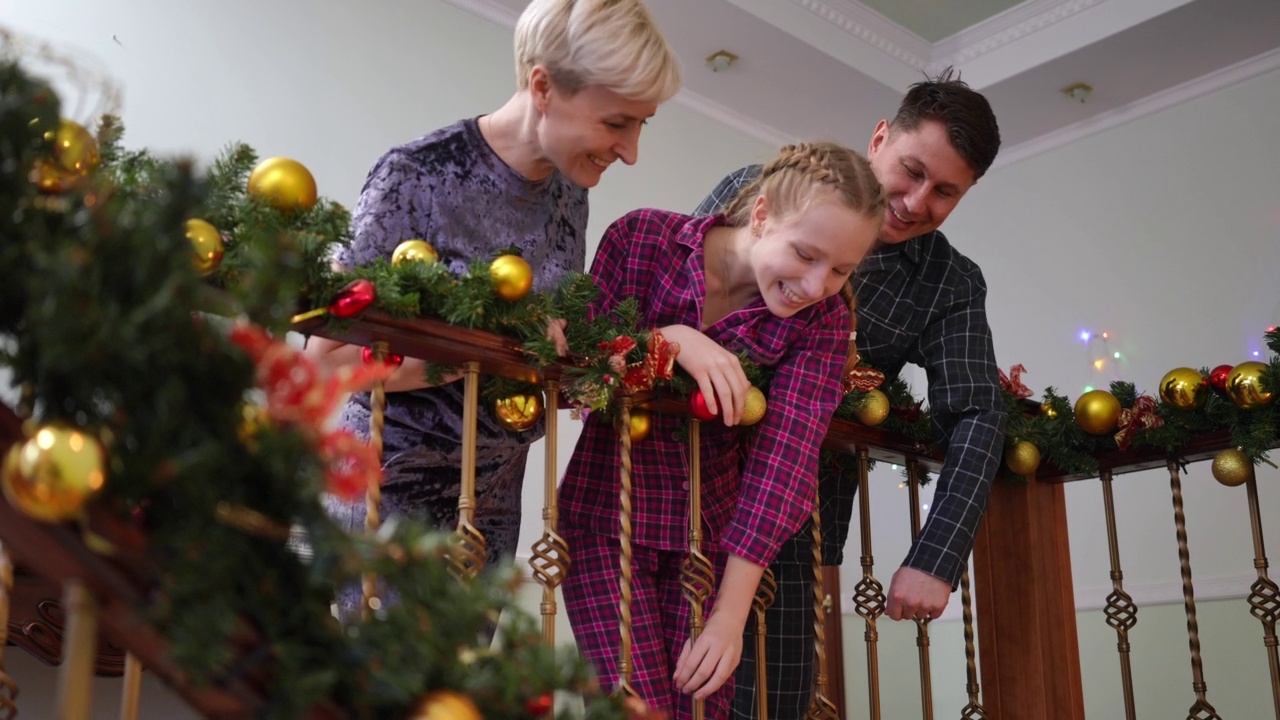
610	43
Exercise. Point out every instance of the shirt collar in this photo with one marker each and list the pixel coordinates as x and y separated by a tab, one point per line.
886	256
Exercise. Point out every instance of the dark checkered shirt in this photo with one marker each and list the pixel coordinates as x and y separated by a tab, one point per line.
922	302
758	484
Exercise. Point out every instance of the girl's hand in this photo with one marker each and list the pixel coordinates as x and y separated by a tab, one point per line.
705	665
717	371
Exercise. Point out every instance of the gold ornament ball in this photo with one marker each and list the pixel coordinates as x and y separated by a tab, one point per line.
518	412
445	705
1023	457
1232	468
641	424
1244	385
512	277
1184	388
873	409
206	241
1097	412
1047	409
284	184
414	251
53	474
75	151
51	179
754	407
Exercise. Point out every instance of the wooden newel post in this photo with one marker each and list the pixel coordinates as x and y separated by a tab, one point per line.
1027	642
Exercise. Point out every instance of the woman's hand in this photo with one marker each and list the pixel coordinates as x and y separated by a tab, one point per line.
411	375
717	371
555	333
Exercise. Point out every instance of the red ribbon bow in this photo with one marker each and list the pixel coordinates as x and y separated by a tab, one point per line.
1012	383
659	363
1142	416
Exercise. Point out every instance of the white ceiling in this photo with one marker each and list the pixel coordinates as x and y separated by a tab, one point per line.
831	69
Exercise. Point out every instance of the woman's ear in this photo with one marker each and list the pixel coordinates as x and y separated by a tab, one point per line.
540	87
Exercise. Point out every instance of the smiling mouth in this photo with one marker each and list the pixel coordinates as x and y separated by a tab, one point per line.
598	162
789	296
900	219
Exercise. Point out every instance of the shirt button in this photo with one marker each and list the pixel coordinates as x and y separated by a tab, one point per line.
684	485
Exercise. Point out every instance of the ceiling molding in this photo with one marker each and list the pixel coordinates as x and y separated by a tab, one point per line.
999	30
500	14
1154	103
874	29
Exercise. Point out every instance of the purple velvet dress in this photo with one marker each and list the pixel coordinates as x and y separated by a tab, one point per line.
450	189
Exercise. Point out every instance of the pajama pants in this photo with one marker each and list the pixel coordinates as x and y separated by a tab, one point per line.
659	619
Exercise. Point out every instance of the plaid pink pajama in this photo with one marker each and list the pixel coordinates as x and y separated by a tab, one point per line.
659	619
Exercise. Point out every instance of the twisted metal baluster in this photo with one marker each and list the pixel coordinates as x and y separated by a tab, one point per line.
131	697
8	688
550	560
468	556
624	556
869	593
1121	611
373	493
766	593
1201	709
697	577
820	706
1264	596
974	709
922	625
80	646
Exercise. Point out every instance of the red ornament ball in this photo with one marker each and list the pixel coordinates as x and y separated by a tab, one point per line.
366	354
1218	377
353	299
698	407
539	706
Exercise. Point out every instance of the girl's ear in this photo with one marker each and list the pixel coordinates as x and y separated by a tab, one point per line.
759	214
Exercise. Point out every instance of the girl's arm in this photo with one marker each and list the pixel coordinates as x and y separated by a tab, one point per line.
705	665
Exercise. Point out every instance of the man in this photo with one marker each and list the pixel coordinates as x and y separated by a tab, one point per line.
919	301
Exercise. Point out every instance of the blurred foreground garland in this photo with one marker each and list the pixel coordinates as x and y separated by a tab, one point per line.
211	453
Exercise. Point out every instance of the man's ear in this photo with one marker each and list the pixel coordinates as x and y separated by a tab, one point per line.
878	138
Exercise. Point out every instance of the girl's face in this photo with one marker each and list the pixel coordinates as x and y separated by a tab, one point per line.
805	256
583	134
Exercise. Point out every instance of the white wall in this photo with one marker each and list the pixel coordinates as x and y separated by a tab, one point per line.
1162	231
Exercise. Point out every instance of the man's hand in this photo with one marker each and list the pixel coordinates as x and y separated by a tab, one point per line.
917	595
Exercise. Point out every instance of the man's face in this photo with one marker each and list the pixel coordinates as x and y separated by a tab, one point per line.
923	177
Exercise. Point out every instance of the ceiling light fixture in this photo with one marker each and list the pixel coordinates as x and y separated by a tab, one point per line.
1079	92
721	60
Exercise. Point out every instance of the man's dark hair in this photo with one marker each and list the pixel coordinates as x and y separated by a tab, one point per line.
971	125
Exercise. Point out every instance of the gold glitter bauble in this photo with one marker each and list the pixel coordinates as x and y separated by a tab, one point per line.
754	406
445	705
1232	468
53	474
414	251
1184	388
1047	409
518	412
1023	457
873	408
512	277
284	184
206	241
1244	385
74	149
641	424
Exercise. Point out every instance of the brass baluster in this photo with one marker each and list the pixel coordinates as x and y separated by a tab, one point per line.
1201	709
1121	611
869	596
8	688
624	556
369	600
1264	596
75	677
697	577
129	700
974	709
820	706
766	593
468	556
550	560
922	625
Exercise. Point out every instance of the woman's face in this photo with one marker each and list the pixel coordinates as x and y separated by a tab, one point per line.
806	256
584	133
